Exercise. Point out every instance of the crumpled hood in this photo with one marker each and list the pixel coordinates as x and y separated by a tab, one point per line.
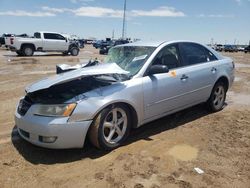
101	69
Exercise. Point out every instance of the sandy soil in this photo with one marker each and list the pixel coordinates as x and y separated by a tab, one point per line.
163	153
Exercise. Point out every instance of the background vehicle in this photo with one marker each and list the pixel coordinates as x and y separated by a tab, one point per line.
7	38
24	35
247	49
75	39
97	43
139	83
219	47
45	42
103	43
2	41
81	43
89	41
230	48
105	50
240	49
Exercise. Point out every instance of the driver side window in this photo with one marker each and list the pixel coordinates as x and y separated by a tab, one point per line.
168	56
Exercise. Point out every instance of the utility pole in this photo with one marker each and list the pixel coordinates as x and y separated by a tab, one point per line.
124	20
113	34
212	41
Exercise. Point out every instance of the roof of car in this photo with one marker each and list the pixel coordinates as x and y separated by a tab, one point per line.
153	43
51	32
145	43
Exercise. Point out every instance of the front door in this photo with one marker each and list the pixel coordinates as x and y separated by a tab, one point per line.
164	92
54	42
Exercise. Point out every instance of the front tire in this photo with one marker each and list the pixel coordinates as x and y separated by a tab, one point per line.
217	98
111	127
74	51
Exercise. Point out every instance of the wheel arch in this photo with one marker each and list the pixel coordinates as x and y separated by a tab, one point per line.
133	112
28	44
72	46
224	80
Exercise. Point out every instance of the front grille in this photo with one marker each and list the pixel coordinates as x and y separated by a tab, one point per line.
23	106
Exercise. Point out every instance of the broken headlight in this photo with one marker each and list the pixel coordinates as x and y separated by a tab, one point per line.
62	110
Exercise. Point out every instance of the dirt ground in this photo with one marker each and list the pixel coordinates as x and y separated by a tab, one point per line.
163	153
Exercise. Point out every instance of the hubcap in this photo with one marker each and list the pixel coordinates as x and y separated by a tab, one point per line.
28	51
219	95
74	51
115	125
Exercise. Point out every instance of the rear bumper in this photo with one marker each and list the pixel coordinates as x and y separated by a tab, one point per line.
67	134
12	48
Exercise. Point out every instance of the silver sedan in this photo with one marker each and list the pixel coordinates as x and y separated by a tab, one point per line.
138	83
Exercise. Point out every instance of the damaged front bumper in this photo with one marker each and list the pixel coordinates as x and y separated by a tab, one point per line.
51	132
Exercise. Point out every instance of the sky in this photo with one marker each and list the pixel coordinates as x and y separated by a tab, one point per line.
205	21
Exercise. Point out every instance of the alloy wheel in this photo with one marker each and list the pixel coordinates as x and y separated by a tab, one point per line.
115	125
218	98
28	51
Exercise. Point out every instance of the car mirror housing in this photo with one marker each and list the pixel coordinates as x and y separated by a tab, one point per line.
158	69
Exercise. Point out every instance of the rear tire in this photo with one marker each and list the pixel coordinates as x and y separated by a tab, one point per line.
27	50
111	127
217	98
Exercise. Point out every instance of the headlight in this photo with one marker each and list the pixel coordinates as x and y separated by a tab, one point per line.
55	110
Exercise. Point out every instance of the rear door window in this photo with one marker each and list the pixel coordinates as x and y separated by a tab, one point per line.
37	35
192	54
53	36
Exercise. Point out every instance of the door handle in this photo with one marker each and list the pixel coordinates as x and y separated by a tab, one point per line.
184	77
213	70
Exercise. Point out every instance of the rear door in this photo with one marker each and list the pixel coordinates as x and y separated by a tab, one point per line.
199	69
38	41
54	42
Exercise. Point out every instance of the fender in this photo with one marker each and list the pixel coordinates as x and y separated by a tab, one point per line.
73	45
30	44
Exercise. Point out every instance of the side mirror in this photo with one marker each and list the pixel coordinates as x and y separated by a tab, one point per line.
158	69
66	40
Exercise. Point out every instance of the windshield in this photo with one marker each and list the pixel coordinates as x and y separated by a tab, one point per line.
129	58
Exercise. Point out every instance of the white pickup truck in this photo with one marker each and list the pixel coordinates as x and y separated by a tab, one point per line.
44	42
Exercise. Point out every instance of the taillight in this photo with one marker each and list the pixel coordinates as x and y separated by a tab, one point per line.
11	40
